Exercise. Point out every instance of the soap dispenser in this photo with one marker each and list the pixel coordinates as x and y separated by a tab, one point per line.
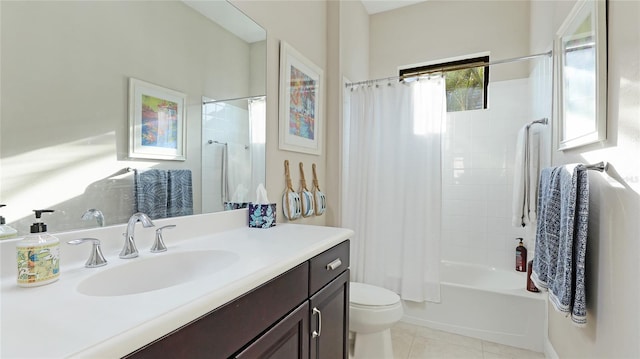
521	257
6	231
38	255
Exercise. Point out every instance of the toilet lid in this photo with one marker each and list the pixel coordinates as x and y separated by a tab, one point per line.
365	294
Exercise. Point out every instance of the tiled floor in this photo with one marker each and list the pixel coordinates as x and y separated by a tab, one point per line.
411	341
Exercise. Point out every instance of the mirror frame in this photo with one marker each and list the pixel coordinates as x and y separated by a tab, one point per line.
597	9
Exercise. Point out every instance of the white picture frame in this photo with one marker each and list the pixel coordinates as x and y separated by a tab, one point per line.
157	122
300	103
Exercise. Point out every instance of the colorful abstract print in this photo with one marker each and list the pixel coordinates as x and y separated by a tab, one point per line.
302	105
159	122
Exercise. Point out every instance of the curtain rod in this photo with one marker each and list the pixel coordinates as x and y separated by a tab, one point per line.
233	99
451	68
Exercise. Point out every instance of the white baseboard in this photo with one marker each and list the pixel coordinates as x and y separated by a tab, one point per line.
549	351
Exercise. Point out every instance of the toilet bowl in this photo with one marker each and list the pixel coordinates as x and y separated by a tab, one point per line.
372	313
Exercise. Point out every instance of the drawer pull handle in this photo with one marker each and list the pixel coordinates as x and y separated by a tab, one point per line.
316	334
335	264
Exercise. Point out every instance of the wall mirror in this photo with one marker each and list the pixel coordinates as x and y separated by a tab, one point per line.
66	68
581	75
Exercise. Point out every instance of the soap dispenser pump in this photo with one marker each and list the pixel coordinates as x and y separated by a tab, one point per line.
38	255
6	231
521	257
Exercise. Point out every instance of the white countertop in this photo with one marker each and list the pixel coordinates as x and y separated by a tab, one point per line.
55	320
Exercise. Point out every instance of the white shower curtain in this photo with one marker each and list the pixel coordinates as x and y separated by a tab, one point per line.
392	196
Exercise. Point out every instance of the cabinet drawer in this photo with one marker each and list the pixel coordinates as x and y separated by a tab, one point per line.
328	265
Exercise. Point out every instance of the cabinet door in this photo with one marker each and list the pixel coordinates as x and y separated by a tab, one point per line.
289	339
330	320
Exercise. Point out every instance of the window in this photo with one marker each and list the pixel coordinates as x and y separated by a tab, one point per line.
466	88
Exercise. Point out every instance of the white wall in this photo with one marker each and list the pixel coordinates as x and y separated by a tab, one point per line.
441	29
303	25
354	41
353	45
613	288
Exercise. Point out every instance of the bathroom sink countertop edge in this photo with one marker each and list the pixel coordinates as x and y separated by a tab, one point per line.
83	326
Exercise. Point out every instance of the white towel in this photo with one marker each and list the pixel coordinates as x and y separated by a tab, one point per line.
525	181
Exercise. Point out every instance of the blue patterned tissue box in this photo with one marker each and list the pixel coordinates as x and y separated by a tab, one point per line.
262	215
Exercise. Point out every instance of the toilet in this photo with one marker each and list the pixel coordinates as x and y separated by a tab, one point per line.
372	313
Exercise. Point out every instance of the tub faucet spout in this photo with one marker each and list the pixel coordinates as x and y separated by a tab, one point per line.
94	213
130	250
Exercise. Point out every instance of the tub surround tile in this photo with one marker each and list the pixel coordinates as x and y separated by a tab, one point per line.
460	207
463	254
478	165
498	241
464	192
498	209
462	223
502	259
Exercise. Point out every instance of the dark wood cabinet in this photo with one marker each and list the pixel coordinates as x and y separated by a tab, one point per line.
275	320
287	339
330	319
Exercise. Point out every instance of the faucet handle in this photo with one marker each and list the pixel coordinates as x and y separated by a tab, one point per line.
158	245
96	259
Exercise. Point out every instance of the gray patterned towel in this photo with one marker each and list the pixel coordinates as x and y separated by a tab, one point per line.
180	193
548	229
151	192
561	238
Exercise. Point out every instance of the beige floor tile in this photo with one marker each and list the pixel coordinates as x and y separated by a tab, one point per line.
401	345
423	348
404	328
414	341
423	332
510	352
488	355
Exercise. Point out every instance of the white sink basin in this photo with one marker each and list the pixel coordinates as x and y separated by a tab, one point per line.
154	273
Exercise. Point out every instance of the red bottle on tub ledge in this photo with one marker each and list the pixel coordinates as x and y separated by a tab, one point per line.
531	287
521	257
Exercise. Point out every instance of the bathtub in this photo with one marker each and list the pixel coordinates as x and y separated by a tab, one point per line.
485	303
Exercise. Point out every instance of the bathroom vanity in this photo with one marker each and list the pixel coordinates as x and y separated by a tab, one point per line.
302	313
221	290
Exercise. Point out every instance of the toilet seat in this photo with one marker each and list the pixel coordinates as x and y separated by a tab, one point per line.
365	295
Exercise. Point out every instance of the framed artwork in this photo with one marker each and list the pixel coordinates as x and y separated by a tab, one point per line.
301	88
156	122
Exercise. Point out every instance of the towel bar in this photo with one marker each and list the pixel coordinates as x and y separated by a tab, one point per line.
600	166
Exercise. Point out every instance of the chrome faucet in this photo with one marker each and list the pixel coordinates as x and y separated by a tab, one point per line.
94	213
129	250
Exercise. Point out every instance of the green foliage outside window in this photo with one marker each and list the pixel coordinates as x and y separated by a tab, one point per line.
465	89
